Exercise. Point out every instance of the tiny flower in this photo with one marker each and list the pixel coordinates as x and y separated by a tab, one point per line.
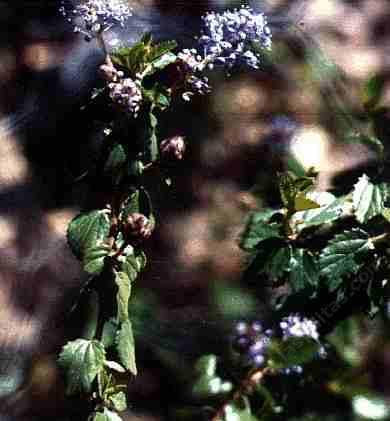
97	15
173	147
127	94
138	227
296	326
110	73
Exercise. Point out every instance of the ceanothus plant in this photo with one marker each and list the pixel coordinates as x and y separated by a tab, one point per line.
313	242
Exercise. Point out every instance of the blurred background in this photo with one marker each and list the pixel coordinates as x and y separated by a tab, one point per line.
304	106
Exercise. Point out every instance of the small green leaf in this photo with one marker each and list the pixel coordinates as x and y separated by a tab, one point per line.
107	415
109	333
131	205
160	63
303	270
123	295
132	262
125	346
94	257
369	199
82	360
113	365
338	257
88	230
259	228
206	365
330	210
118	401
302	203
116	158
373	91
238	411
292	351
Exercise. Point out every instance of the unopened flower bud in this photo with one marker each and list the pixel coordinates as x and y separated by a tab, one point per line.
138	227
173	147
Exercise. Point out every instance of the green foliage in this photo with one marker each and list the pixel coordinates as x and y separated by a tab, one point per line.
339	258
292	351
83	360
125	346
87	231
369	199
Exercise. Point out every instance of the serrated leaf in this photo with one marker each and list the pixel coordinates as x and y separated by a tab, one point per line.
259	228
123	295
303	270
118	401
292	351
82	360
330	210
107	415
88	230
109	333
273	259
125	347
94	257
338	257
369	199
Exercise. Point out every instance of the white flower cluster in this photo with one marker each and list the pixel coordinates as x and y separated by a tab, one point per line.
297	326
127	93
123	91
98	15
229	38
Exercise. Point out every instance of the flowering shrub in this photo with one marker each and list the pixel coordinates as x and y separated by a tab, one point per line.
313	244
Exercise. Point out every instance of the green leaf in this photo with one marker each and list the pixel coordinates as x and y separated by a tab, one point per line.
338	257
107	415
125	346
373	143
94	257
369	199
160	63
109	333
92	313
373	91
303	270
123	295
82	360
88	230
132	262
238	411
207	383
292	351
287	189
273	259
116	158
118	401
330	210
131	205
113	365
259	228
386	214
302	203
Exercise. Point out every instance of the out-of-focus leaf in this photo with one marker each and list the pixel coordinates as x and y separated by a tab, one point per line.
92	314
109	333
292	351
239	411
372	91
107	415
123	295
118	401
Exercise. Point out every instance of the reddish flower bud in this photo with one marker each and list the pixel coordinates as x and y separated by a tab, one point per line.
173	148
138	227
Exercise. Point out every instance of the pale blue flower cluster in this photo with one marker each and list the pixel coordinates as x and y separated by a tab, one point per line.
97	15
297	326
231	37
